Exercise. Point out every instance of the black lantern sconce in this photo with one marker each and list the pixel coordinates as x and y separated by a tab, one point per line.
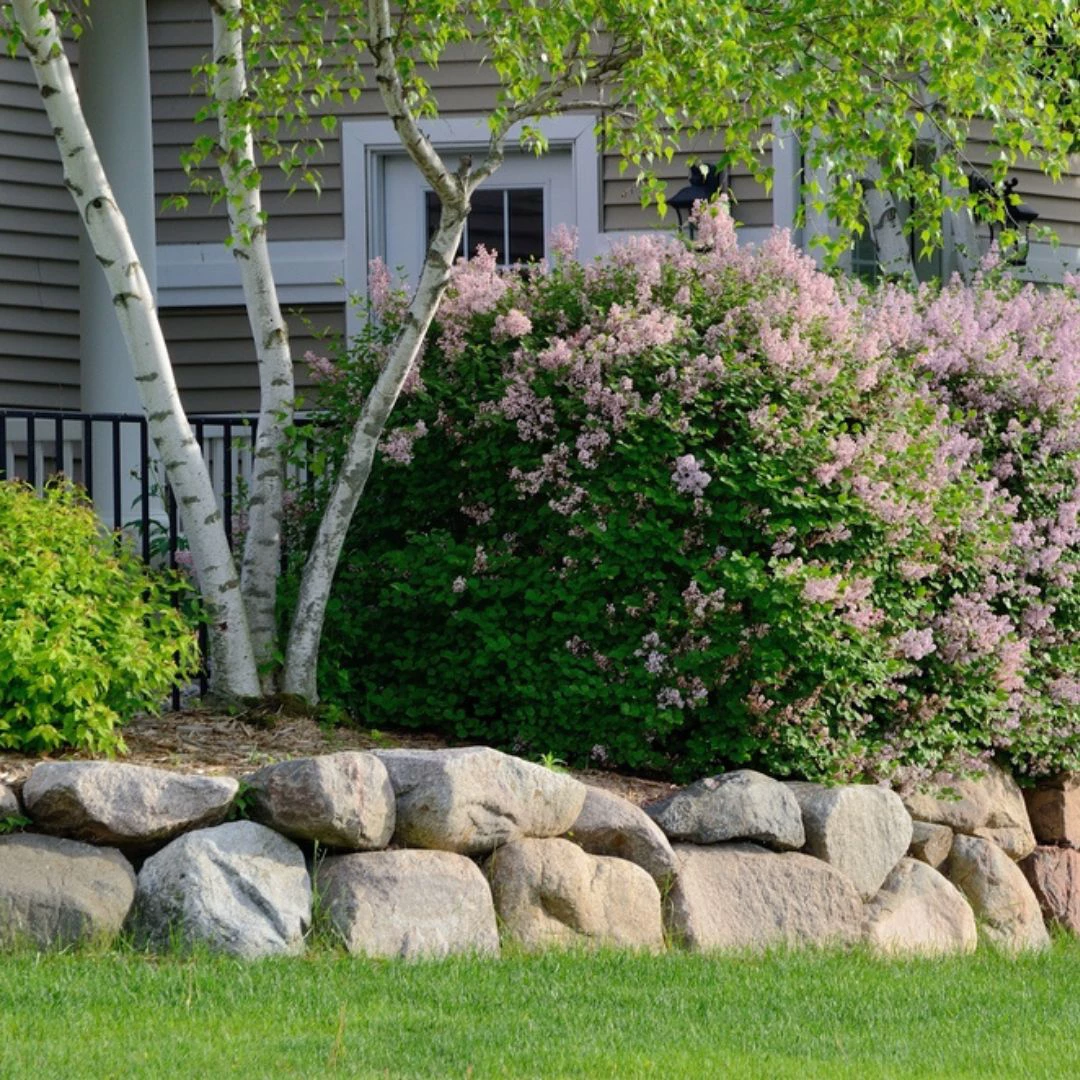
1018	216
706	181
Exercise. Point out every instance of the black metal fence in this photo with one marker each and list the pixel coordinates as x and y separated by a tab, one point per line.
110	455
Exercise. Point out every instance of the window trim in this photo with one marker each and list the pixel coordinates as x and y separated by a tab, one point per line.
364	142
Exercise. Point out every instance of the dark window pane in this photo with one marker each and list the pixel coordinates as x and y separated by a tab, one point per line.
526	224
486	222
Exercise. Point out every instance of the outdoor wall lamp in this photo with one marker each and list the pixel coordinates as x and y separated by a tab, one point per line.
705	182
1018	216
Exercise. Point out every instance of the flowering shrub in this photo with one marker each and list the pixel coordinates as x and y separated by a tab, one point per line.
88	636
683	508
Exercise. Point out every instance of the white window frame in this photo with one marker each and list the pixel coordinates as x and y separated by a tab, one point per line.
365	142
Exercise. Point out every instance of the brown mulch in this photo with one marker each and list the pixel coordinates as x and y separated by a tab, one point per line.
199	741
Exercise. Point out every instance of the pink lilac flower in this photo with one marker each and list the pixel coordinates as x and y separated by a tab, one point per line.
689	477
514	324
398	445
915	644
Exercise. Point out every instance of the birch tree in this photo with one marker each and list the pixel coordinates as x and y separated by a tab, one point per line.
851	81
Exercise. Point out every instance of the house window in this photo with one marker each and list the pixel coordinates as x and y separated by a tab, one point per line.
507	220
865	262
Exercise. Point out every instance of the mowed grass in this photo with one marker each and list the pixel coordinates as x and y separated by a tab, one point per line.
811	1014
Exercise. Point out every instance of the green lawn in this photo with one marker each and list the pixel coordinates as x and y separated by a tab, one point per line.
793	1015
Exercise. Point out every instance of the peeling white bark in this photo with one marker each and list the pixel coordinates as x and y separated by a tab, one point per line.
233	662
262	544
454	190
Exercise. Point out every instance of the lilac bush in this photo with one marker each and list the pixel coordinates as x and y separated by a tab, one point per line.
691	507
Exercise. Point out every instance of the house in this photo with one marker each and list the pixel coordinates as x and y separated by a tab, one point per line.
59	346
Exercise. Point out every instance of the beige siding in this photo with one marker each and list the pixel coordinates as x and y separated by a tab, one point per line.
463	86
214	357
39	254
1057	203
751	205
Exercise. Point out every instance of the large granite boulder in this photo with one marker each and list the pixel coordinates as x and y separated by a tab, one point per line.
1054	809
742	896
990	806
551	893
918	911
408	903
610	825
1004	904
861	830
473	799
127	806
342	800
56	892
1054	876
741	805
239	888
930	843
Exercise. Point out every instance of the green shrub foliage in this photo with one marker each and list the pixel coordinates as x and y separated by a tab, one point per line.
681	509
88	635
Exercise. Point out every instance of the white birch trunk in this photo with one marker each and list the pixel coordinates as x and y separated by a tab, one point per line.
454	190
301	658
262	544
233	663
893	247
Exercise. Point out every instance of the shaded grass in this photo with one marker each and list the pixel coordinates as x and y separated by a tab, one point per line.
121	1014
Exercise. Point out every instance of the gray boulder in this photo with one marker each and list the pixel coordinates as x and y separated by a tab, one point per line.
56	892
1003	901
990	806
610	825
930	843
473	799
861	830
408	903
741	805
239	888
342	800
551	893
9	803
741	896
920	912
127	806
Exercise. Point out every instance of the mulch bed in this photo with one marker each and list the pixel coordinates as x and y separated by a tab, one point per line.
198	741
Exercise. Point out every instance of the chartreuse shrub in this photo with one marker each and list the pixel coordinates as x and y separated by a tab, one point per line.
683	508
88	635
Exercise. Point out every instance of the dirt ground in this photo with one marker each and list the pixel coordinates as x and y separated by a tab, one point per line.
197	741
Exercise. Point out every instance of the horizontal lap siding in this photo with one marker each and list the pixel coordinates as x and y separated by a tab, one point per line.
1057	203
462	85
178	41
39	254
214	358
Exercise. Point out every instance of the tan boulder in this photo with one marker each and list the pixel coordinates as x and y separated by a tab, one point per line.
610	825
342	800
408	903
551	893
930	843
741	896
471	800
1004	904
859	829
990	806
918	911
